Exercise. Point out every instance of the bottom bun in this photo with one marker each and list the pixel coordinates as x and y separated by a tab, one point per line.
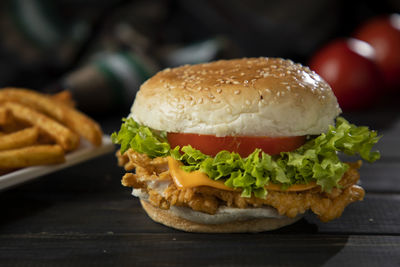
167	218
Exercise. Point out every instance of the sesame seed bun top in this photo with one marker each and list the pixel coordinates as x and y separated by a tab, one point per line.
249	96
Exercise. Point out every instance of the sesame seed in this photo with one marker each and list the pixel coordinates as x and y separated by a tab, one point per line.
237	92
219	90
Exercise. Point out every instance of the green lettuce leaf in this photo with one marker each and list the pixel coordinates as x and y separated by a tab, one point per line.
141	139
317	160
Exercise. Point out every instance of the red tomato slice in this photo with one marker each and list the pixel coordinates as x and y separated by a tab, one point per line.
244	145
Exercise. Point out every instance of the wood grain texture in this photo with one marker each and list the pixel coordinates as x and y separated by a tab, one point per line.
120	213
75	200
381	177
82	216
182	249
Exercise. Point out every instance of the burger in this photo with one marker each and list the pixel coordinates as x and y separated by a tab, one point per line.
243	145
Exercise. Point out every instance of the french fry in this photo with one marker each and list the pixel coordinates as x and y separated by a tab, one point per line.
31	123
30	156
77	121
44	139
67	139
64	97
31	99
19	139
83	125
8	123
5	116
13	126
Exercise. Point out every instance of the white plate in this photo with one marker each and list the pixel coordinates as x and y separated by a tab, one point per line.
84	152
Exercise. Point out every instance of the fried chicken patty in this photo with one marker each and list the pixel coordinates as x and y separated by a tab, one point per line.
150	173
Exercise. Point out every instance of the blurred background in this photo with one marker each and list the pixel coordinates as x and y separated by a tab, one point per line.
102	50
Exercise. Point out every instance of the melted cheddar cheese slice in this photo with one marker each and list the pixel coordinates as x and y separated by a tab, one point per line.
183	179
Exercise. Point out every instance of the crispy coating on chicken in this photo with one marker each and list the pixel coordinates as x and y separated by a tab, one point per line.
327	206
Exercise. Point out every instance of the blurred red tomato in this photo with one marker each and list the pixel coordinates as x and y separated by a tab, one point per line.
347	66
383	33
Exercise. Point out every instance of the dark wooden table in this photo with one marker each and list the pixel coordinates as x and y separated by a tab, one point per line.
82	216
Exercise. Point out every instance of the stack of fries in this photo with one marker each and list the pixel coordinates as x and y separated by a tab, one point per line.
38	129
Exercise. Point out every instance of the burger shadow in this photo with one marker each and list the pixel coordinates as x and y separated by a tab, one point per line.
302	226
299	244
302	244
